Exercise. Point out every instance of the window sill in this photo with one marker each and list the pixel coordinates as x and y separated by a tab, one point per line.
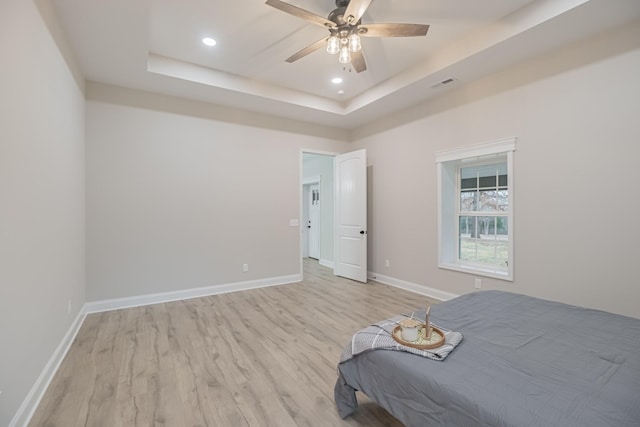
501	275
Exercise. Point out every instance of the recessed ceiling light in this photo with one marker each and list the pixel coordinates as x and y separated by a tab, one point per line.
336	80
340	92
209	41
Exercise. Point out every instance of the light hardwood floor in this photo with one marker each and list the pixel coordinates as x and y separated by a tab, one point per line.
264	357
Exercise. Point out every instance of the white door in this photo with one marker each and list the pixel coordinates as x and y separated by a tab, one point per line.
313	225
351	216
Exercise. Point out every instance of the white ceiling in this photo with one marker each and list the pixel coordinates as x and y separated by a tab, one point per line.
155	45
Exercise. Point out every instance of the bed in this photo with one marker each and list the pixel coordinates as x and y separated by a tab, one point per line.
523	361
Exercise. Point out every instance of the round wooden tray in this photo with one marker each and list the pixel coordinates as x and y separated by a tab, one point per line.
434	343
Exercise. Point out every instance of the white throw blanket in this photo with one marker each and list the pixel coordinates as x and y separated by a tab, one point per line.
378	337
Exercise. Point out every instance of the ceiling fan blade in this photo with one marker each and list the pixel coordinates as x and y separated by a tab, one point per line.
358	62
393	30
307	50
356	9
301	13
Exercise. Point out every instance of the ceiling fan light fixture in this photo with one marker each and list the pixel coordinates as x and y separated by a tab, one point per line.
345	55
333	45
354	42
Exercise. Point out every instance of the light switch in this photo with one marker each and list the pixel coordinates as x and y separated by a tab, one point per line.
293	222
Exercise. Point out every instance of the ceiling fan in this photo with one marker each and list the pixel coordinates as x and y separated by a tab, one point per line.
345	29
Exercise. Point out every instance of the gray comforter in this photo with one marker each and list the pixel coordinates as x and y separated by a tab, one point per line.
523	362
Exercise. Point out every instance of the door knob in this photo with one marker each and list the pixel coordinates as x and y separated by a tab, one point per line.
363	232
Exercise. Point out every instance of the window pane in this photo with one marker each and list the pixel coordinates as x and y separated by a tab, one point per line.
502	228
467	250
467	183
486	227
502	253
503	200
493	201
468	201
468	227
488	201
492	252
486	250
488	181
467	238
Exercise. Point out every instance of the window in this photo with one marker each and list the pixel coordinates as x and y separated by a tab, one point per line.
475	209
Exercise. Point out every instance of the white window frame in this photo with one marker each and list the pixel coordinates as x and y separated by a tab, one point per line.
448	164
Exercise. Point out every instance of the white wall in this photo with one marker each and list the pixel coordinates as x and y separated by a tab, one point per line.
41	200
575	113
322	165
177	201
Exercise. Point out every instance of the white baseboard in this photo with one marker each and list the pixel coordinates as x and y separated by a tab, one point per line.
31	402
326	263
413	287
137	301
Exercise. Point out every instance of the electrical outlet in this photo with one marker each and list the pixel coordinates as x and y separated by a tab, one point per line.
245	268
387	263
478	284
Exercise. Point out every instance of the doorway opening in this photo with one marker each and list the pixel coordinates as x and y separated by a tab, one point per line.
317	205
333	209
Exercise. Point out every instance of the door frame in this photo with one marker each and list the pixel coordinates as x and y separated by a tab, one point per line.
301	183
